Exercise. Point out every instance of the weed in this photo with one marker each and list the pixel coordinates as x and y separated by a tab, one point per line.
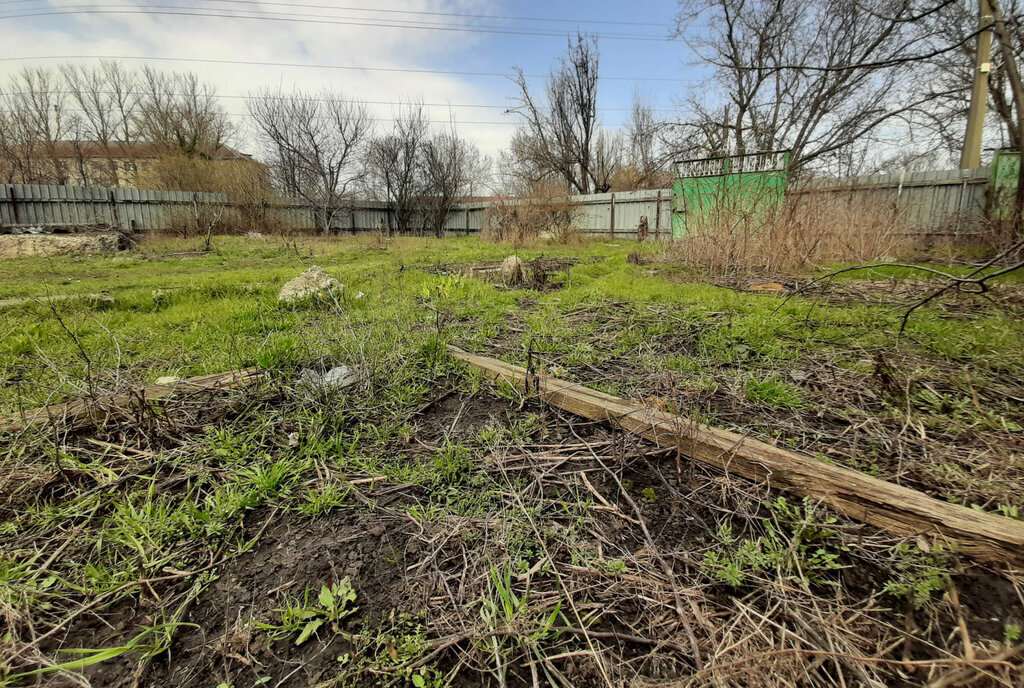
322	500
794	545
452	464
1011	634
918	575
305	618
774	393
89	656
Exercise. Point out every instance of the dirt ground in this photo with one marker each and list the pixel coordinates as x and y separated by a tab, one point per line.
604	543
429	528
39	245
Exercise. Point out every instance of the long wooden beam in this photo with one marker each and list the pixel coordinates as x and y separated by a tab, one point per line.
104	407
984	536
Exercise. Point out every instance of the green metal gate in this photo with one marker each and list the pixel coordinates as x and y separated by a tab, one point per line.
706	190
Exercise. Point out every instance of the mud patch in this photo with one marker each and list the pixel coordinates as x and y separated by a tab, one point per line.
542	274
38	245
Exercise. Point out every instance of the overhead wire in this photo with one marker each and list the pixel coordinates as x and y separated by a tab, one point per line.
304	65
378	10
300	18
296	96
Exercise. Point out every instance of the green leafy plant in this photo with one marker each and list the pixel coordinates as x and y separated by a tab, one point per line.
1011	634
305	618
795	544
918	574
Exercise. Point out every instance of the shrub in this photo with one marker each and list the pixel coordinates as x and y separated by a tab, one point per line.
810	228
544	211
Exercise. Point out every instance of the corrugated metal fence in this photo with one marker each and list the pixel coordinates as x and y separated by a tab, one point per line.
944	202
89	206
932	202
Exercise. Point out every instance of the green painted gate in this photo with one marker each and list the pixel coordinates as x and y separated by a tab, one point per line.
1003	183
709	190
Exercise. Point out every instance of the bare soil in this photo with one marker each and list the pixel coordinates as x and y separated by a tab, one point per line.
609	532
37	245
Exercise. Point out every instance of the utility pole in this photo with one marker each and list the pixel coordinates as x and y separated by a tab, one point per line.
971	157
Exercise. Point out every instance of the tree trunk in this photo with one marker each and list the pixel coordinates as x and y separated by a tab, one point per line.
1017	90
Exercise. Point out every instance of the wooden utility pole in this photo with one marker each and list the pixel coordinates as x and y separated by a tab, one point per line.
971	157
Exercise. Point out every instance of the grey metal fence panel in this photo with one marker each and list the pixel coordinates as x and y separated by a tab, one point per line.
933	202
950	201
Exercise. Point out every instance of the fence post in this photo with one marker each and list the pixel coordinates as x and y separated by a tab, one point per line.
467	221
115	222
611	228
14	205
657	217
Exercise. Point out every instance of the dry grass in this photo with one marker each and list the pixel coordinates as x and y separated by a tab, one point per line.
805	231
544	212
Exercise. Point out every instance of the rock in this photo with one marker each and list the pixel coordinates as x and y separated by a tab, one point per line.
512	270
335	378
101	300
312	281
167	380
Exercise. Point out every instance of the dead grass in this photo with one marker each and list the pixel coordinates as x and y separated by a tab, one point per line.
759	234
543	212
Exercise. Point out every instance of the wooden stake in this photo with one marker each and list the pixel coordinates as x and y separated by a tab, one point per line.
984	536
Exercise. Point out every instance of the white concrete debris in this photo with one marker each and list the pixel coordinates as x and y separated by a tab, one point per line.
335	378
312	281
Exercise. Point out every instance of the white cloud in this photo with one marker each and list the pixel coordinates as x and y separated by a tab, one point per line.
156	36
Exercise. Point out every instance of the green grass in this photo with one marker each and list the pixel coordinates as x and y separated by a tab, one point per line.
622	328
200	314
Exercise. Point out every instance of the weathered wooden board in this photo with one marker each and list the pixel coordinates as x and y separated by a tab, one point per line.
984	536
105	407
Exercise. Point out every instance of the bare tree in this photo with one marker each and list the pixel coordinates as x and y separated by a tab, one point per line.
107	98
316	145
645	159
395	168
35	118
450	165
560	135
181	115
762	51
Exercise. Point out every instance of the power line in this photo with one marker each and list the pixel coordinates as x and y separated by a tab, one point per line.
254	63
263	96
295	18
371	119
614	22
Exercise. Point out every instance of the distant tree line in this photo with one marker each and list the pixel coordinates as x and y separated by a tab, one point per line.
848	86
88	125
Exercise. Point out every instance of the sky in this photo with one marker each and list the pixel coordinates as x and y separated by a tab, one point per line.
314	37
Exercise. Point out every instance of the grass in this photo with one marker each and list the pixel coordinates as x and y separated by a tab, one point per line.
147	515
192	315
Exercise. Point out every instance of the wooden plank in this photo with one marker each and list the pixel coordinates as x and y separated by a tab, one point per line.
103	408
901	510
